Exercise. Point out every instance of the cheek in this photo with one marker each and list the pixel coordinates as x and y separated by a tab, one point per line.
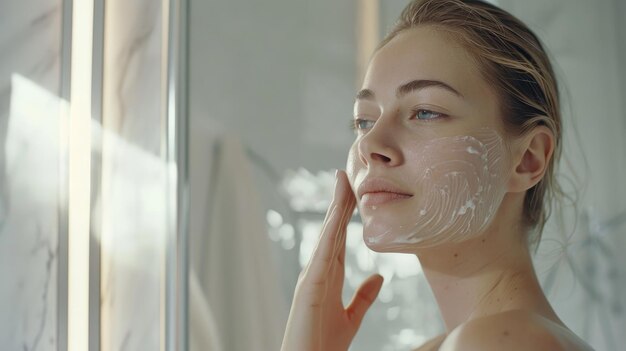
458	183
465	177
442	163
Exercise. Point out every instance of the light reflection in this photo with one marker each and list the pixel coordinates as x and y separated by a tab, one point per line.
308	191
287	236
393	313
274	219
33	144
408	337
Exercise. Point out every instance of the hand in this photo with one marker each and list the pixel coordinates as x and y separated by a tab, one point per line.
318	320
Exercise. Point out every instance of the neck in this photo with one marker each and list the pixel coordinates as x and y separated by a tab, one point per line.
485	275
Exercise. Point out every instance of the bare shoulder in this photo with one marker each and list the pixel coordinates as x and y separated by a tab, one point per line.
513	330
432	344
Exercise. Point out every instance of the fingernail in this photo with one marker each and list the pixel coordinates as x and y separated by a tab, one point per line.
336	173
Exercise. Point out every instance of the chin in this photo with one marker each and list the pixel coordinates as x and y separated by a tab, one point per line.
383	240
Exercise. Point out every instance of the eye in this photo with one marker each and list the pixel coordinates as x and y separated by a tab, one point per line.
359	124
426	115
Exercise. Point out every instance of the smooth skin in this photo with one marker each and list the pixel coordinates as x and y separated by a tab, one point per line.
486	287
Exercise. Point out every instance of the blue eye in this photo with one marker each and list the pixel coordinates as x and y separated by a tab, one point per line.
359	124
427	114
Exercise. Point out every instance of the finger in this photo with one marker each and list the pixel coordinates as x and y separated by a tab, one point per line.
324	252
340	244
337	268
363	298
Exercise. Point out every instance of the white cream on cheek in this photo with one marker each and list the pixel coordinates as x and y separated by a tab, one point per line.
460	185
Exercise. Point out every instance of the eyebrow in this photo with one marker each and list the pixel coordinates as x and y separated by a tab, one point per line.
418	84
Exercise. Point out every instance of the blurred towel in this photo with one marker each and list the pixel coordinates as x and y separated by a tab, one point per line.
203	328
236	269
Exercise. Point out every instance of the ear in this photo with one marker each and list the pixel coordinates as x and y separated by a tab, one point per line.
531	158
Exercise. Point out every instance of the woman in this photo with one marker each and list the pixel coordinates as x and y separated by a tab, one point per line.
458	130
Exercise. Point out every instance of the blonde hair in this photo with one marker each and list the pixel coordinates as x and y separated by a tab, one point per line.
513	60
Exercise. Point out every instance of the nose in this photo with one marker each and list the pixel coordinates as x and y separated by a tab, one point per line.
379	146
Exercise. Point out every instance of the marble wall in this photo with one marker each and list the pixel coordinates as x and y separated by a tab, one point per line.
30	77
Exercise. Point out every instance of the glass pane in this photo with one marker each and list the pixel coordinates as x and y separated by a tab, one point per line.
131	208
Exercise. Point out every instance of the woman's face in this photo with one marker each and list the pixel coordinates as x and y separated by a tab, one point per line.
428	165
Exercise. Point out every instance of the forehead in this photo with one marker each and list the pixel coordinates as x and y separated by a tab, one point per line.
424	52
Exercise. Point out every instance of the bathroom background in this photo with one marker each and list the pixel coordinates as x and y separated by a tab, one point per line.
168	185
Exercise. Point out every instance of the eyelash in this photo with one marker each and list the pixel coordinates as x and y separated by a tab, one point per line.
354	122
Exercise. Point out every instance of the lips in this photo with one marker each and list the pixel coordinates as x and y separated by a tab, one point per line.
378	191
379	198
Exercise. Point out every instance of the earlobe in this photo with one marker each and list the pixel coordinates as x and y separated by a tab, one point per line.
532	160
